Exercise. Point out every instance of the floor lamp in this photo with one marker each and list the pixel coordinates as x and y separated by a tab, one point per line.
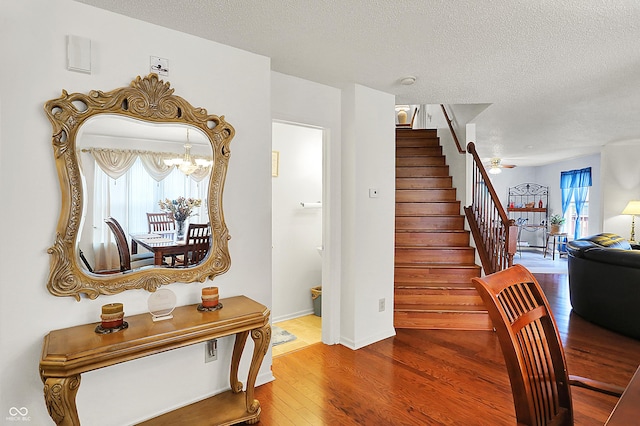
633	208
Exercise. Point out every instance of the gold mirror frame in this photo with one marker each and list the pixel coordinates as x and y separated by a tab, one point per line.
151	100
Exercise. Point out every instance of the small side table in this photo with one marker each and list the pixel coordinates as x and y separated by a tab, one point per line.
554	238
69	352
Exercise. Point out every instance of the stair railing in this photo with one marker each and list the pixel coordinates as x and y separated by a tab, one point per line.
496	235
453	132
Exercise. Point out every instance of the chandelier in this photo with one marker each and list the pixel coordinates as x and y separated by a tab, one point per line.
187	164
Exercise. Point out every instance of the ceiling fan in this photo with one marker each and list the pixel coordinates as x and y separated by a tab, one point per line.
495	166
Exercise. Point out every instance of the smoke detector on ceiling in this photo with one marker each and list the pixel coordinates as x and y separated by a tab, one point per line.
408	81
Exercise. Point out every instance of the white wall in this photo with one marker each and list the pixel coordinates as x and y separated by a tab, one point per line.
297	231
549	175
368	161
620	184
512	177
223	80
301	101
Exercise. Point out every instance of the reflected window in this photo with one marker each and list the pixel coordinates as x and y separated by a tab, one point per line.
129	198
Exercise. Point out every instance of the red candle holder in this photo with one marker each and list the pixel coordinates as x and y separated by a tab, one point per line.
210	297
112	318
210	300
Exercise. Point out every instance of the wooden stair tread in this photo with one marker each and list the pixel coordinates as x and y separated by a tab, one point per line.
437	247
439	308
466	285
431	231
436	216
436	202
439	265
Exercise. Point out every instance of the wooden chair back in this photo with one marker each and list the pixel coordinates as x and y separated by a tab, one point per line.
198	241
121	242
531	346
159	222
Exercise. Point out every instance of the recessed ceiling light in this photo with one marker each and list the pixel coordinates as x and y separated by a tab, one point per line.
408	81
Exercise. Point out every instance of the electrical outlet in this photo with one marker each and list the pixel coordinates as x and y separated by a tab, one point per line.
211	350
381	304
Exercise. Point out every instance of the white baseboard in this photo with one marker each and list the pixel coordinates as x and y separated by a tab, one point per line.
292	315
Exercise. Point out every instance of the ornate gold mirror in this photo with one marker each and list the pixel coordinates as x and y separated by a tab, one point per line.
123	158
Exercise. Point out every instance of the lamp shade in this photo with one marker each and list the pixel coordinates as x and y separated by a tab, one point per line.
633	207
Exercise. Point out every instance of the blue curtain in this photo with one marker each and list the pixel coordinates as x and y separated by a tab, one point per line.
575	184
566	190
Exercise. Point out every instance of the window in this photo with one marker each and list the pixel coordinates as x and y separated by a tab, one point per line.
135	193
574	187
571	218
128	199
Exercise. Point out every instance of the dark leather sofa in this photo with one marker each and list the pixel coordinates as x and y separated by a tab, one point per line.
604	282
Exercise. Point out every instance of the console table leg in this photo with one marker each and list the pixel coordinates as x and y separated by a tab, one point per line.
261	338
60	397
238	347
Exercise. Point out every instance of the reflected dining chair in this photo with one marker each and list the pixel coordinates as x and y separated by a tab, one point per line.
532	348
197	243
127	260
160	222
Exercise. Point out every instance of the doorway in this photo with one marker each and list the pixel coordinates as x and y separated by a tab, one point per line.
297	228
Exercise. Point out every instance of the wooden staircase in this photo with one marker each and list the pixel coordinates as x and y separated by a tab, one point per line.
434	262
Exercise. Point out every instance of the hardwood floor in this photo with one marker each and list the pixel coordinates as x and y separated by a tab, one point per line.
307	329
431	377
434	377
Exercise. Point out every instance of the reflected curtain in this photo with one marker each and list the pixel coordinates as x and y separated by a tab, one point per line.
116	162
574	184
200	174
154	164
105	251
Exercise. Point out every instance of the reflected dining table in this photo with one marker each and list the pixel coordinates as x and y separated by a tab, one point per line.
160	245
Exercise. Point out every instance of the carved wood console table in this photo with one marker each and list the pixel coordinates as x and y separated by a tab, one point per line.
71	351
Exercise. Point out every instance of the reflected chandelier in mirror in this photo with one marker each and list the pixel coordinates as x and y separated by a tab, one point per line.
148	102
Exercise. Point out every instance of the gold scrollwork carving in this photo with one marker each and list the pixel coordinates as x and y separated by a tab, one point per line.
60	398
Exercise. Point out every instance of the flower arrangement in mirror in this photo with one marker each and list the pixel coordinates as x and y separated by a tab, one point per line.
180	209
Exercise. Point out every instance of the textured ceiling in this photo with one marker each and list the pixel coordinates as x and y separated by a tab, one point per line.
561	76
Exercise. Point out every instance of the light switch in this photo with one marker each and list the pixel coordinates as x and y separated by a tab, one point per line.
373	193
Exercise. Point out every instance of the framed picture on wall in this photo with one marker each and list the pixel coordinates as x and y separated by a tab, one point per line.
275	160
